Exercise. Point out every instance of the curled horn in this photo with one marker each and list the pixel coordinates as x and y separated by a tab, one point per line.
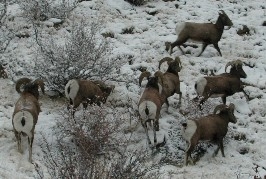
177	59
236	62
143	75
161	78
20	82
40	83
219	108
168	59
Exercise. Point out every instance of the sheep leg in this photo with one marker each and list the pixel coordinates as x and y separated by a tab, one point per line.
177	43
189	150
216	151
217	48
18	137
30	141
180	96
146	132
204	45
224	99
167	103
155	126
222	147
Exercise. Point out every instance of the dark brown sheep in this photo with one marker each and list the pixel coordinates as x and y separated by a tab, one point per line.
212	128
222	85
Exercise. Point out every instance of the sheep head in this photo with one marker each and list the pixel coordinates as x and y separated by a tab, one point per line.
154	81
236	68
105	89
174	66
230	109
225	19
30	86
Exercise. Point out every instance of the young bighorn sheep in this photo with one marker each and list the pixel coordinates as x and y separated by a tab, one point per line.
222	85
207	33
27	109
171	82
150	103
86	92
212	128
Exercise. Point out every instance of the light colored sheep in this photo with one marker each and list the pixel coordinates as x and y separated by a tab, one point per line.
207	33
86	92
211	128
150	103
26	111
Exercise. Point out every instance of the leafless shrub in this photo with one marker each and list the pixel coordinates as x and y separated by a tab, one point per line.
93	147
128	30
40	10
108	34
5	34
83	54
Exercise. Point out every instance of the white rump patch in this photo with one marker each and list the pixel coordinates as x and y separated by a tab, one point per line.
74	88
180	27
151	107
28	120
189	131
201	83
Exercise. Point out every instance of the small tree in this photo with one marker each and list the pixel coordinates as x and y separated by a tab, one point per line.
94	146
40	10
83	54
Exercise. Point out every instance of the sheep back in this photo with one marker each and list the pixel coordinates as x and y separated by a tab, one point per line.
206	32
211	128
221	84
153	95
89	90
173	83
25	114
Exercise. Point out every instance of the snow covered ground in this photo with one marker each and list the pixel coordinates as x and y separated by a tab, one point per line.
245	144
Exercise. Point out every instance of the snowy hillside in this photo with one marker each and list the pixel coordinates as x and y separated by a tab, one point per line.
152	25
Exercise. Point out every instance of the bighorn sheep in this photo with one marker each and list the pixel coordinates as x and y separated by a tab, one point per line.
27	109
150	103
171	83
212	128
222	85
207	33
86	92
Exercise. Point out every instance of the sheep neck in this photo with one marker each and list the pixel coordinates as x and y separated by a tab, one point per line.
169	70
219	24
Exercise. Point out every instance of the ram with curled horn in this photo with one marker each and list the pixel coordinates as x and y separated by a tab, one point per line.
171	82
223	85
212	127
26	111
150	103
